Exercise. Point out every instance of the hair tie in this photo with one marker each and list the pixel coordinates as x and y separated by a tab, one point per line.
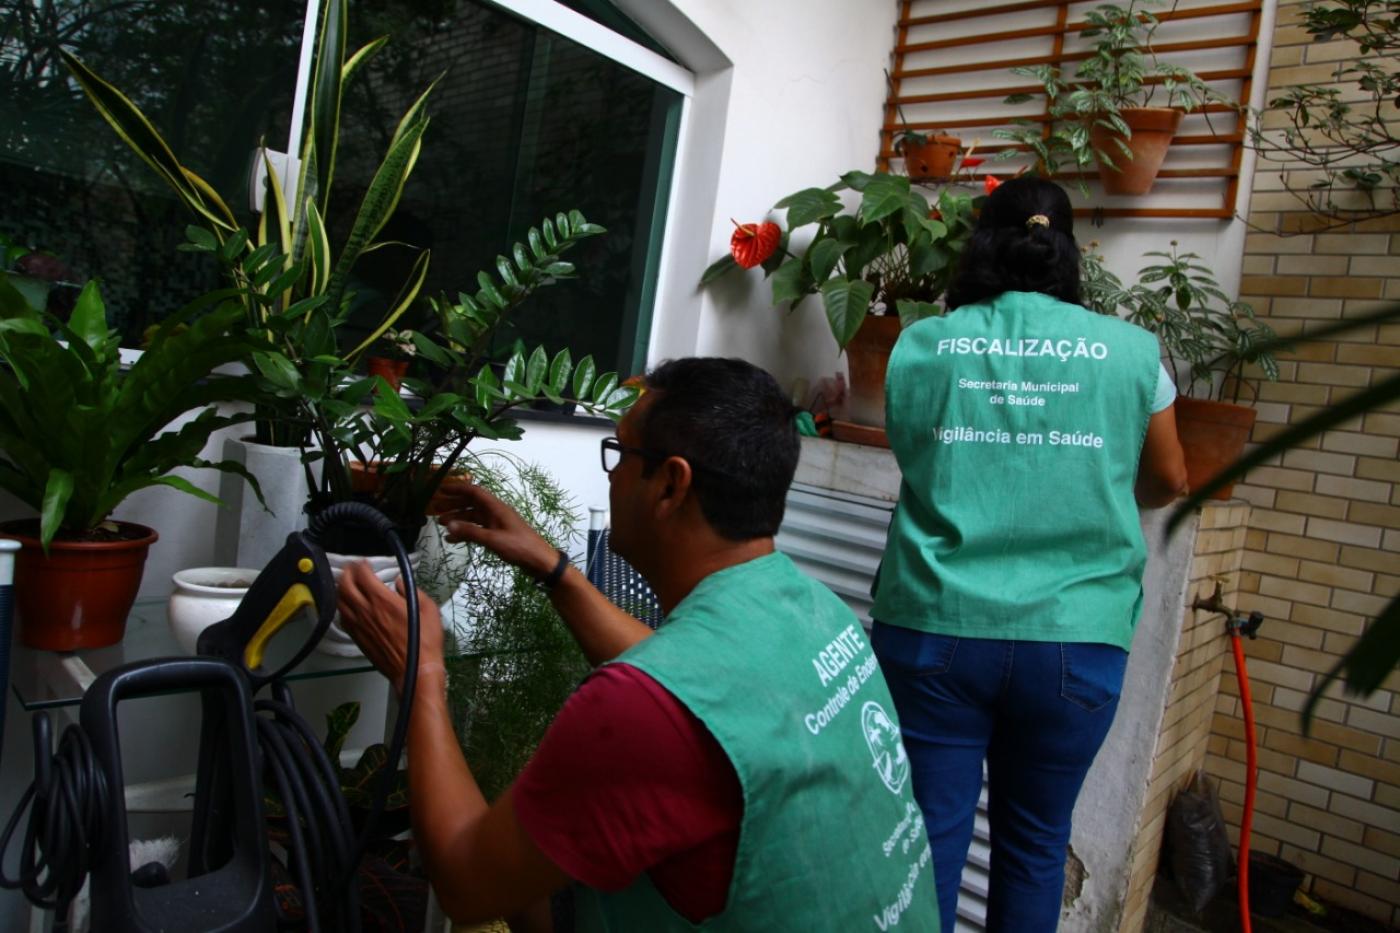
1037	220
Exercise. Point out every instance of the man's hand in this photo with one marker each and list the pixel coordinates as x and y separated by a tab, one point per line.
378	621
474	515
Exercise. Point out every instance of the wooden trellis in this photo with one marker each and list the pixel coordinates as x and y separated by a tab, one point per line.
951	71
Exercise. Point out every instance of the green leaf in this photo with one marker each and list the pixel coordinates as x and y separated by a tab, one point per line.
790	282
718	268
488	388
278	370
911	312
89	319
1367	663
559	370
808	205
339	722
583	376
846	304
883	196
604	386
515	368
57	493
536	369
822	257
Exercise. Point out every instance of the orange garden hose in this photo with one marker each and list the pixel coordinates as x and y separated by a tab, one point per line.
1251	771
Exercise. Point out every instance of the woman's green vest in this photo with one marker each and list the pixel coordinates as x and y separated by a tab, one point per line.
780	672
1017	424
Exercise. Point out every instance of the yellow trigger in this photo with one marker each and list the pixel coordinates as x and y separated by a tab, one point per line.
298	595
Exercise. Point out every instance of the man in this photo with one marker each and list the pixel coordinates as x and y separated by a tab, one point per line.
740	767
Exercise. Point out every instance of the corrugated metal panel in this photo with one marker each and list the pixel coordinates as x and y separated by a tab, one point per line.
839	539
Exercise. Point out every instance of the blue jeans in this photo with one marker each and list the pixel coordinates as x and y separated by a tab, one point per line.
1037	712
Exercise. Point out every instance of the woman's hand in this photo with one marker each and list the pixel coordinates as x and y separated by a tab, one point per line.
378	621
477	517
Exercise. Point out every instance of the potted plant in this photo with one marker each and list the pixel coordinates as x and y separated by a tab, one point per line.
510	664
1207	341
390	356
931	155
297	289
877	267
78	434
1106	114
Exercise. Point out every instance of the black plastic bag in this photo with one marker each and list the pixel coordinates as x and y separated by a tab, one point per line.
1198	846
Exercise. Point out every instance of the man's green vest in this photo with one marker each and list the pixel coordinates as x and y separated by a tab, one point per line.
1017	424
780	672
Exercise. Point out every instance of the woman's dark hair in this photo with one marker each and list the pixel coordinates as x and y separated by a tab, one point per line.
1012	251
731	421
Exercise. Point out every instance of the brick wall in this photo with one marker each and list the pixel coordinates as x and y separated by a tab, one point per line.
1322	554
1186	727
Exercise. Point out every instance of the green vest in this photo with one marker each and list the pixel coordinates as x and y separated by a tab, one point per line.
1017	424
780	672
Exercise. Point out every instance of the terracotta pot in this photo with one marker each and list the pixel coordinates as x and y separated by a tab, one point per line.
933	159
867	358
1213	435
77	596
393	371
1153	129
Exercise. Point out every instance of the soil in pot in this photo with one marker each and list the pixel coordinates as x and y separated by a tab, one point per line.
79	594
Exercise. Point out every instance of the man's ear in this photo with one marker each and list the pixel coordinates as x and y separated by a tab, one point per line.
672	479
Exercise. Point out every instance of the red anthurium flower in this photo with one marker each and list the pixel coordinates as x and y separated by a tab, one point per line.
972	162
991	183
754	243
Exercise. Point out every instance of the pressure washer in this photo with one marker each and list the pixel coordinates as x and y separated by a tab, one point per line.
251	738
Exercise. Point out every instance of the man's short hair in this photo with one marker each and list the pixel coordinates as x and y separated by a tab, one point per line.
731	421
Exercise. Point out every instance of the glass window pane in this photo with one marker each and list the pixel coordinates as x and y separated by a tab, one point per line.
524	123
214	78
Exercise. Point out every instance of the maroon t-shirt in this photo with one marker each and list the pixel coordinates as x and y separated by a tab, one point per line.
627	780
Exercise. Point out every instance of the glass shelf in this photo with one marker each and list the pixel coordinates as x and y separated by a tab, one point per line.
48	679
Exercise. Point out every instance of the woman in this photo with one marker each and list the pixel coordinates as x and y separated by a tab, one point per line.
1028	430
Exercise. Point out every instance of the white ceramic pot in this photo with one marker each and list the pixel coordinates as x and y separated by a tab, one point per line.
336	641
203	596
246	534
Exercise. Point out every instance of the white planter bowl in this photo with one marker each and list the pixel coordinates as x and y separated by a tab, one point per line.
337	642
203	596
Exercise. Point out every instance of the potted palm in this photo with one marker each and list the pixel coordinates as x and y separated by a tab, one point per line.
1108	113
78	434
877	267
1208	339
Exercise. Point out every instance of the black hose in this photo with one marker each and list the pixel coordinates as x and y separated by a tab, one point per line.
67	803
368	516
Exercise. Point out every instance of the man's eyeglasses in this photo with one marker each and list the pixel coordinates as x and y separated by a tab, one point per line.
613	449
